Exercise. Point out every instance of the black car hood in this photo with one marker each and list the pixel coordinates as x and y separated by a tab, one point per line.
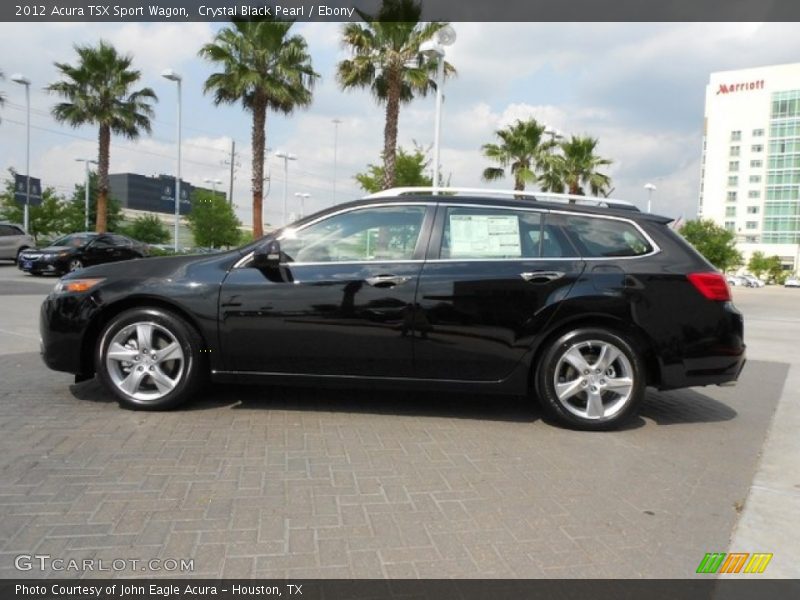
153	267
55	249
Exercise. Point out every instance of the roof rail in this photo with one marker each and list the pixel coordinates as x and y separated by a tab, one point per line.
546	196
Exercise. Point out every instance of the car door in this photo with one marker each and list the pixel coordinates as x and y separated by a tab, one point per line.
341	302
7	242
100	250
492	282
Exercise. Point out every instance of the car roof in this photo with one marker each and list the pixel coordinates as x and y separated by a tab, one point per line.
489	200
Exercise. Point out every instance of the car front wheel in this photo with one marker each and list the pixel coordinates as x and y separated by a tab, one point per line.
591	379
150	359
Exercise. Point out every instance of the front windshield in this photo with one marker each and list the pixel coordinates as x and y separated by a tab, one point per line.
75	240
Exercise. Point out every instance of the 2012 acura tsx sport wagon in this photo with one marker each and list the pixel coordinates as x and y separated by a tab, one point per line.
581	303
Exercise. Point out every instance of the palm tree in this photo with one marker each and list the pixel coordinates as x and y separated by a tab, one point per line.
263	67
98	91
2	95
386	59
523	152
576	168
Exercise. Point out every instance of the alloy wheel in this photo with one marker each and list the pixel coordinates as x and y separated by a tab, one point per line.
593	379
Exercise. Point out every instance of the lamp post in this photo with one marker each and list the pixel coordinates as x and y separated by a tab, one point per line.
22	80
173	76
303	197
286	156
86	162
650	189
435	50
214	183
336	123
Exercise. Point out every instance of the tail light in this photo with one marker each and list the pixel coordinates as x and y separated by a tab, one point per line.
712	285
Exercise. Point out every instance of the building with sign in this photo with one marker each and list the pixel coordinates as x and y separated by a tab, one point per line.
750	178
151	194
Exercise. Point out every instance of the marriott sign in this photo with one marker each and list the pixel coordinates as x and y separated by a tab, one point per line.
724	88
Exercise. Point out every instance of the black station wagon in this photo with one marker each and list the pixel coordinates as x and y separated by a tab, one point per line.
579	302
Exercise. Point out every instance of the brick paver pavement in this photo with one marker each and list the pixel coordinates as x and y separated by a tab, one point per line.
290	482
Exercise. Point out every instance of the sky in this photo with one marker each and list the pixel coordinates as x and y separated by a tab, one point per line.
637	87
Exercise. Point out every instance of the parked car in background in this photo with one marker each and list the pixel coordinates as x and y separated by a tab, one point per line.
752	281
579	302
78	250
13	240
792	282
736	280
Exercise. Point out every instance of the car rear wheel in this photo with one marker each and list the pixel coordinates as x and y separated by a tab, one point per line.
150	359
74	264
591	379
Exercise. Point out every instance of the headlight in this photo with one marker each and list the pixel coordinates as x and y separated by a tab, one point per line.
76	285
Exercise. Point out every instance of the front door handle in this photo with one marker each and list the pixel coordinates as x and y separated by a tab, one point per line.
385	281
541	276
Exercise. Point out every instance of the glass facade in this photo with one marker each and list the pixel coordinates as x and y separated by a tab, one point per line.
782	204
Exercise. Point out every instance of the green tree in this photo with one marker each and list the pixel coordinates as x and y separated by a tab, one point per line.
411	169
263	67
75	208
98	91
522	151
212	220
385	58
576	168
46	219
715	243
775	271
148	229
758	264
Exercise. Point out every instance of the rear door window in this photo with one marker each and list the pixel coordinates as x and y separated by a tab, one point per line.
605	238
491	233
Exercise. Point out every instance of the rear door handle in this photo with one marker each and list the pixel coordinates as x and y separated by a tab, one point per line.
385	281
541	276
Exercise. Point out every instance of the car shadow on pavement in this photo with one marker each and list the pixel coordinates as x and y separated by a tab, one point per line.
661	408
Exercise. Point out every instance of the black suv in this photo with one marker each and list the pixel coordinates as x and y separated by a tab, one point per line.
579	302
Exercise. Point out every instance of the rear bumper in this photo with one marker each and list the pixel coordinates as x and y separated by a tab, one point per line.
716	356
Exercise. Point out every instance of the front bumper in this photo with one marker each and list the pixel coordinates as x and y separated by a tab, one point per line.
38	265
64	323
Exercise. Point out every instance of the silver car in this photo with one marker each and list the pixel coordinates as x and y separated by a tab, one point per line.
13	240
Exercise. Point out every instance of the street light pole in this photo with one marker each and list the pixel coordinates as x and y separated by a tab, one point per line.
435	49
650	189
173	76
214	183
286	156
86	162
303	196
22	80
336	123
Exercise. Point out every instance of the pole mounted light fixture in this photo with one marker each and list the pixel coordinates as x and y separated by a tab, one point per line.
22	80
435	50
650	187
286	156
173	76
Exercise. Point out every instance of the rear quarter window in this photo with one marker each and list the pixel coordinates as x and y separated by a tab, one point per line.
606	238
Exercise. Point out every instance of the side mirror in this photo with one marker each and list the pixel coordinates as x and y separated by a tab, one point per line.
267	255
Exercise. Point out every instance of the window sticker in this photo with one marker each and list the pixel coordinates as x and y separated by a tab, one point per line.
485	236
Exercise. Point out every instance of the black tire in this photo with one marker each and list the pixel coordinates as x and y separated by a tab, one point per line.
186	380
573	410
74	264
